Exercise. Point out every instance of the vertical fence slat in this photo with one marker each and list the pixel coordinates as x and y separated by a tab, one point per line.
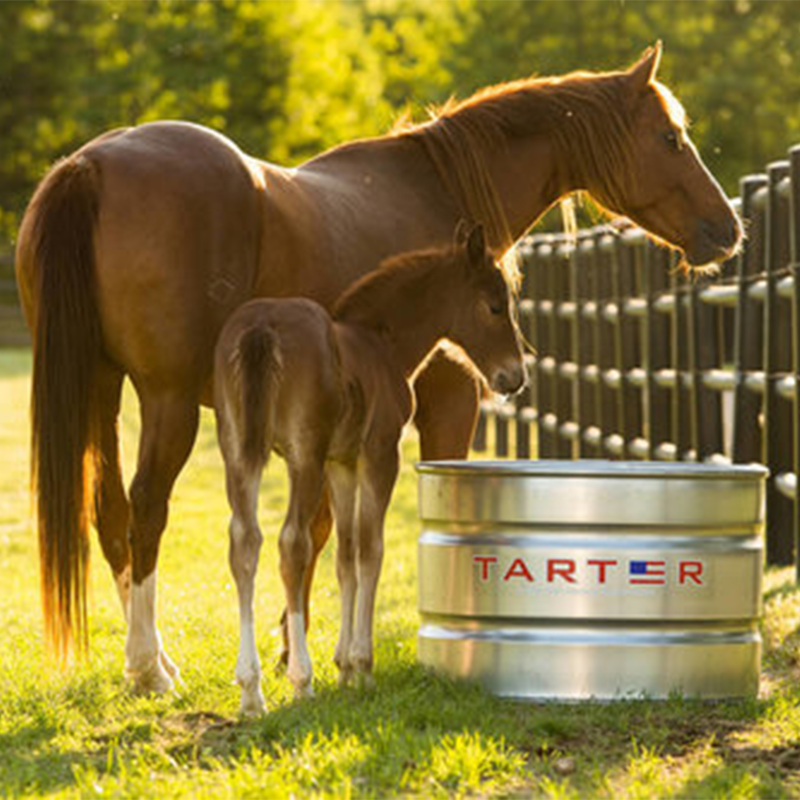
777	364
748	347
794	210
659	398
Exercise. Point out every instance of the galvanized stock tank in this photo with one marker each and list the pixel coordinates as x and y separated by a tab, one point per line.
592	579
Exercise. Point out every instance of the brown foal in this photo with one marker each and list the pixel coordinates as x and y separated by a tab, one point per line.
331	395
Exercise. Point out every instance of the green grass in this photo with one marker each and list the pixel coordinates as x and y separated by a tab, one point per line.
82	734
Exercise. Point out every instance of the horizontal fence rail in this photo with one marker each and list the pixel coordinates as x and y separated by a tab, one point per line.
636	360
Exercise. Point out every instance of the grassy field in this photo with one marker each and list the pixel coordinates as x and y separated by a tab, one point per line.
82	734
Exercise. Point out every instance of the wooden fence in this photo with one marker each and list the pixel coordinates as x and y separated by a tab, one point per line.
635	360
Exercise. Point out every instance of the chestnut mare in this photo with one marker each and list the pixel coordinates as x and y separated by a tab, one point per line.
137	248
332	395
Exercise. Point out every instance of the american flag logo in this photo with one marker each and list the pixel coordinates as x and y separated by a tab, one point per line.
647	572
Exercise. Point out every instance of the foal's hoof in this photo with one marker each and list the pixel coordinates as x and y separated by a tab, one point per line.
282	663
252	706
364	680
252	703
345	676
169	666
152	680
303	691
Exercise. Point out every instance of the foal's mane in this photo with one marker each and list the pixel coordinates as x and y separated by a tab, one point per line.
404	281
588	116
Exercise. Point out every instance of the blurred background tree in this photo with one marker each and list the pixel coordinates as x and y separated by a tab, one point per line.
289	78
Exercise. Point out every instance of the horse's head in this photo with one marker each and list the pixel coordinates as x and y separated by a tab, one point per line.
485	324
667	189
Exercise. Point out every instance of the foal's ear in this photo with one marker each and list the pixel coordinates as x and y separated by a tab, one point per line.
643	72
476	246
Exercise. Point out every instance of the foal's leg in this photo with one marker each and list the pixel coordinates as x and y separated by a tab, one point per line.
320	533
245	546
343	483
448	399
169	427
306	477
377	477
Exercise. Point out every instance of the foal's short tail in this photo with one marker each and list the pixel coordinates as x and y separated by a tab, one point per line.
58	269
260	368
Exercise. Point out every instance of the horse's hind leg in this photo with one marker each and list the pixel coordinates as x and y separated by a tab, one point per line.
169	427
112	506
295	555
245	546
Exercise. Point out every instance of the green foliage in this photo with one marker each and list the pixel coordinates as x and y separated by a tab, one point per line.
289	78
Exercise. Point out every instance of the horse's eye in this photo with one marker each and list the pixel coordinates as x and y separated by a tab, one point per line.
496	309
673	139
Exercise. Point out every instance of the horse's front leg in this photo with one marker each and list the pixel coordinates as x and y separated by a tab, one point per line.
377	477
169	427
306	479
448	400
245	546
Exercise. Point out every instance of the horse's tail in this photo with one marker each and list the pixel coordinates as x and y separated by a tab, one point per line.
260	369
60	261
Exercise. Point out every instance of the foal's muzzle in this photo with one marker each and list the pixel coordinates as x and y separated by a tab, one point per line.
509	380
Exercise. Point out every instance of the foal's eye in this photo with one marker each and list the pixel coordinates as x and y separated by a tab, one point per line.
496	309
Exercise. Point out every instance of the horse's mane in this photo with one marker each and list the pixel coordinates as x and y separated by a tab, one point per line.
367	300
588	116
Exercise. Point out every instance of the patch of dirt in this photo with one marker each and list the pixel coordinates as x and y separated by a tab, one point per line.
196	723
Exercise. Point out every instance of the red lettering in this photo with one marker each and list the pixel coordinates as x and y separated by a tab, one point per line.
690	571
601	564
518	570
484	561
561	567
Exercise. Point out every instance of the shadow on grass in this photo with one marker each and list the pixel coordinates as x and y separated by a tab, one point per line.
400	725
406	716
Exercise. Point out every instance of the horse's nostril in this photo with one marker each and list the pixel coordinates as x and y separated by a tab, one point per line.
724	233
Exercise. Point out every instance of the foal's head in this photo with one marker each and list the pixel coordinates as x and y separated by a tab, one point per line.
484	322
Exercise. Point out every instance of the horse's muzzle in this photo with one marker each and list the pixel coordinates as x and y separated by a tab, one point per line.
715	240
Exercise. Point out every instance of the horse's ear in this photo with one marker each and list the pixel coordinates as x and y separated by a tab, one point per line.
461	233
476	246
643	72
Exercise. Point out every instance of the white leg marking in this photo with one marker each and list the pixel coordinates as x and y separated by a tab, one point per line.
299	670
248	671
143	647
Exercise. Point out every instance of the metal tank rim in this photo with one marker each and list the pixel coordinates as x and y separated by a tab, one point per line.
594	468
